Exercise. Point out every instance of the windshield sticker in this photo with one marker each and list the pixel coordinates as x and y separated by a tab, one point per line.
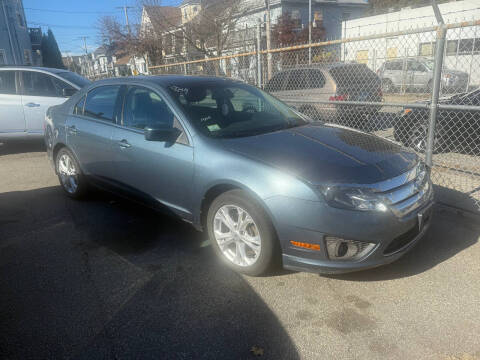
213	127
179	89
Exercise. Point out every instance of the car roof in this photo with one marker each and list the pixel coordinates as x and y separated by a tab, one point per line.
166	80
328	66
26	67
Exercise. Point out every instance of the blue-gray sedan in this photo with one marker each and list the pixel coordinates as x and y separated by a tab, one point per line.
268	185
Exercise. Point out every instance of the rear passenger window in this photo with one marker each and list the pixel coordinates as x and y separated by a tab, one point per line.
394	65
78	109
296	80
7	82
277	82
315	79
100	102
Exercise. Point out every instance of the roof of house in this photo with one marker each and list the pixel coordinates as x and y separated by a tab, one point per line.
164	18
190	2
122	60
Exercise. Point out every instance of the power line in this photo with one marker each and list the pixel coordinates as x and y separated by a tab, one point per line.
72	12
60	26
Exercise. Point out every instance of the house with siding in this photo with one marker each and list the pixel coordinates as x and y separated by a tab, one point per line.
15	44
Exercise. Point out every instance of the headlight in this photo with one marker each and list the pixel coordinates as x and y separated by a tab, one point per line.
352	199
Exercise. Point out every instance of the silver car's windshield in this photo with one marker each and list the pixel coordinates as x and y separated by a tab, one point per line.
233	109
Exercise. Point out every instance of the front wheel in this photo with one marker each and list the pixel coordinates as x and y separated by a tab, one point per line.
241	233
71	178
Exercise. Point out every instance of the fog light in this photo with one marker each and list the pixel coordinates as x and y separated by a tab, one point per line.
347	250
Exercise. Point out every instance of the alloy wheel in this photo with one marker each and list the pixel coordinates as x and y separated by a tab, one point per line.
68	172
237	235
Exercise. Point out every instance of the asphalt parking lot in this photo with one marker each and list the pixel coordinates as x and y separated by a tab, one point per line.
105	278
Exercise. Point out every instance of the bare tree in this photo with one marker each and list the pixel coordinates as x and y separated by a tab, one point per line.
139	42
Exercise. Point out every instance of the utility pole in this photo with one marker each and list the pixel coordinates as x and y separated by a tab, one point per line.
267	30
85	65
125	10
310	32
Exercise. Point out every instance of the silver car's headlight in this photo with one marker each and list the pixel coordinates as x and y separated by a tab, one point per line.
352	199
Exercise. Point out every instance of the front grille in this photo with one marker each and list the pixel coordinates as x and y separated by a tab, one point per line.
407	192
402	240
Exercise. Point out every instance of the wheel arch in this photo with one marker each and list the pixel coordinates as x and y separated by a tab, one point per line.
220	188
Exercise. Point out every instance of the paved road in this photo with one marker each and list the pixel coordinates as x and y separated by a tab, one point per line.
107	279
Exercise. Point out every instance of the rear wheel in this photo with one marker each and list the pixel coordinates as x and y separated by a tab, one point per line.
418	139
71	177
241	233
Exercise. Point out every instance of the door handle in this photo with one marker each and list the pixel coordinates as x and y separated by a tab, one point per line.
31	104
124	144
72	130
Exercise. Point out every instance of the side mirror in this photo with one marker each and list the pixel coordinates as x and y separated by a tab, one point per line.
67	92
166	134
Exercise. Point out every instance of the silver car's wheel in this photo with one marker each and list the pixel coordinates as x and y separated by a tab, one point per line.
237	235
68	173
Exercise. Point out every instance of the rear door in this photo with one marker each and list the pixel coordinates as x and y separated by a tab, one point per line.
39	92
12	119
90	128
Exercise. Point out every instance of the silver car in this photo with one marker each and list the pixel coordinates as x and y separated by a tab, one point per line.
418	74
266	184
25	95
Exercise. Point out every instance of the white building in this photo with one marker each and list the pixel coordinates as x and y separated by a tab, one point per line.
462	47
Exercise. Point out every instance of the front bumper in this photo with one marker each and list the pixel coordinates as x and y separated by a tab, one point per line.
392	235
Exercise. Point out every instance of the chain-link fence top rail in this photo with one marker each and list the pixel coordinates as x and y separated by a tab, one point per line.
380	83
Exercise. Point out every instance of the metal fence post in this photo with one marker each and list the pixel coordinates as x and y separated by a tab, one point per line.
437	74
259	56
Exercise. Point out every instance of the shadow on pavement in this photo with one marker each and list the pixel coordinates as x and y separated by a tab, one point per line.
20	147
105	279
450	233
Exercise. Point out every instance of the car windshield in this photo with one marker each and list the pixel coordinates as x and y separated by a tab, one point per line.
74	78
229	109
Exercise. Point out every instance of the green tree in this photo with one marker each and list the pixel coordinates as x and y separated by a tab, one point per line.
50	52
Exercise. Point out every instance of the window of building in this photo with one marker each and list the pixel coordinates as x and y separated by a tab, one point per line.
27	57
466	46
426	49
3	59
194	9
362	56
20	20
452	47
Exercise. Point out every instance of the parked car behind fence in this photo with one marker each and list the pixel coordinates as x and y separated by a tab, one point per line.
309	88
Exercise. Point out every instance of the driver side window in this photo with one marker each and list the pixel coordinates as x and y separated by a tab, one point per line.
145	108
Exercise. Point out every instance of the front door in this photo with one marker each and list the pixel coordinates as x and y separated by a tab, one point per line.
161	171
12	119
90	128
39	92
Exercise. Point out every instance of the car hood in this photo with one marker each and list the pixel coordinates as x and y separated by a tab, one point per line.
327	154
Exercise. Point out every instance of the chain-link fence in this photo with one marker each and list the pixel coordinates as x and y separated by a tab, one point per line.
405	86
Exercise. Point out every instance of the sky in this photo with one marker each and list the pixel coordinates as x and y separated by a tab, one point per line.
71	19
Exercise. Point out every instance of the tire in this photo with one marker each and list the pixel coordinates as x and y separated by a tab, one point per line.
417	140
70	175
262	253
